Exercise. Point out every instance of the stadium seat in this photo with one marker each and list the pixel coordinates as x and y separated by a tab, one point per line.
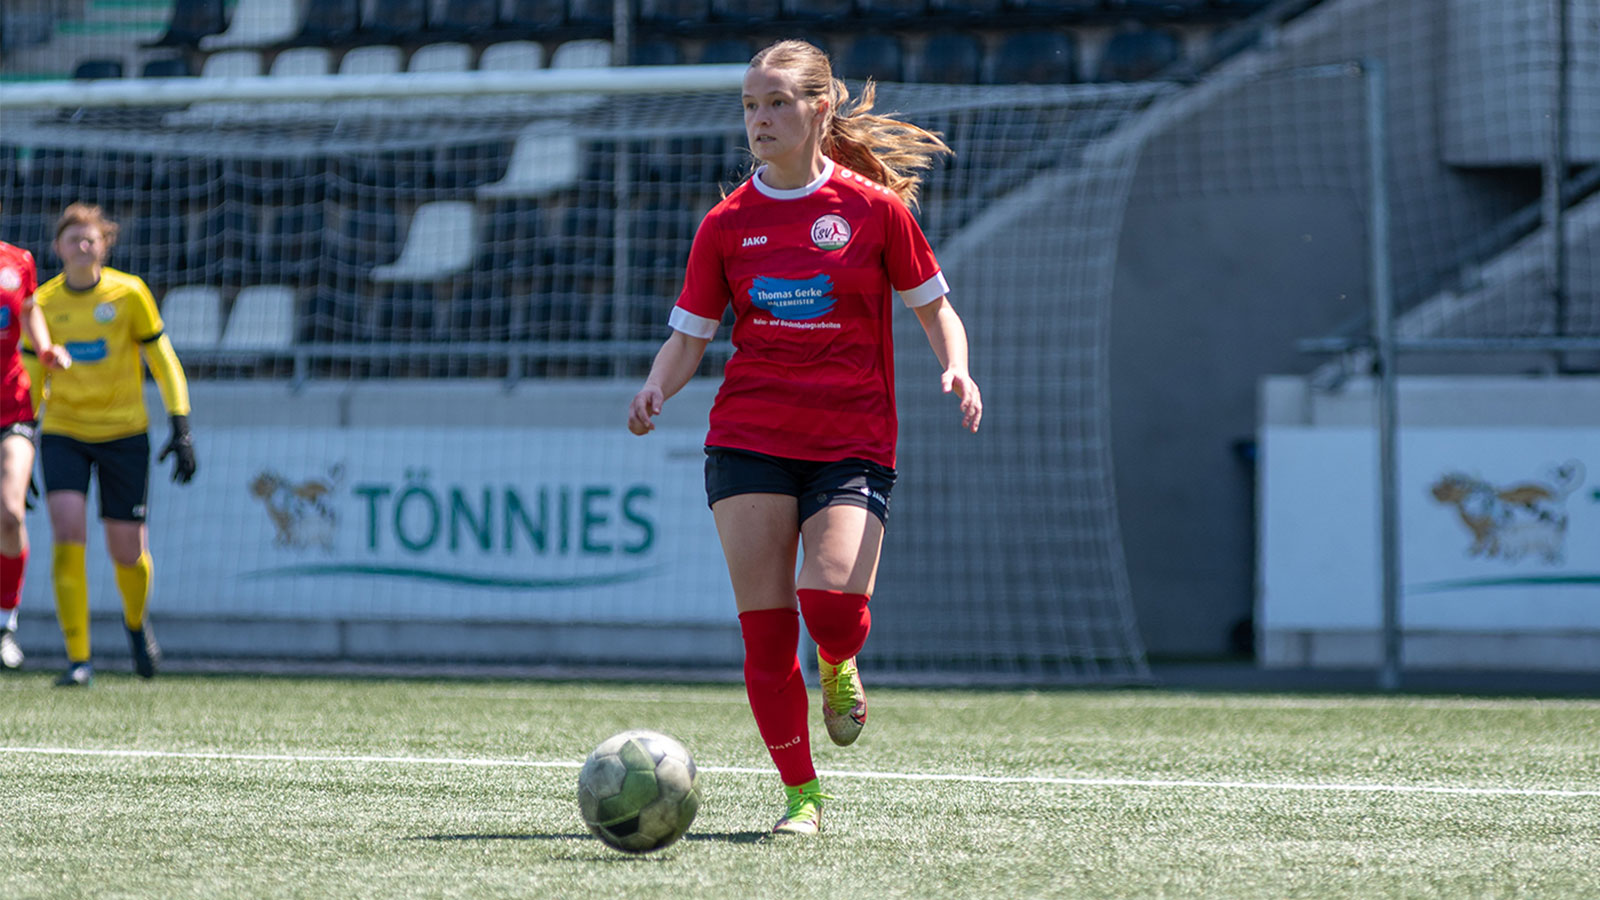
333	317
396	21
190	21
153	245
512	56
97	68
1137	55
292	253
448	56
891	11
377	59
582	54
330	23
1241	7
405	314
727	50
746	12
231	64
468	20
966	9
1033	57
256	23
1065	7
536	15
192	316
226	244
677	15
507	240
592	13
546	158
1165	9
297	61
263	318
950	57
439	244
657	52
818	10
167	67
876	56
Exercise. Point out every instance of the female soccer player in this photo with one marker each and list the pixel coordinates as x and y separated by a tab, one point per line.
94	421
801	449
18	316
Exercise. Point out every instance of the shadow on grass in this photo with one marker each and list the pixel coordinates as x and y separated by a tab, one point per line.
725	837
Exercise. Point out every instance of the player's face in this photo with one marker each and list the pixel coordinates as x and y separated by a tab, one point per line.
81	245
780	124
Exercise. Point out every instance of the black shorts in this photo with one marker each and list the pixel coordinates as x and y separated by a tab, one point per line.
852	482
122	467
27	428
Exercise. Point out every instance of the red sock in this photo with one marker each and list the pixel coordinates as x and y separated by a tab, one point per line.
777	690
837	621
11	568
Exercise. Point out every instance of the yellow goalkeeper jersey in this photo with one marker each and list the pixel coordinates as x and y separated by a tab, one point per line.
101	397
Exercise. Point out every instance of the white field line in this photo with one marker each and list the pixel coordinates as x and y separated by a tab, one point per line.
834	773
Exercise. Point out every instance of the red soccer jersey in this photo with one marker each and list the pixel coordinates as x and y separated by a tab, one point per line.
18	279
809	273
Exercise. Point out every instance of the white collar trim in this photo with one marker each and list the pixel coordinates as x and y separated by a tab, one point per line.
793	193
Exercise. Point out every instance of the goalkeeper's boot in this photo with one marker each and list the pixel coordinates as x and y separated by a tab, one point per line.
77	675
804	812
146	652
10	653
844	700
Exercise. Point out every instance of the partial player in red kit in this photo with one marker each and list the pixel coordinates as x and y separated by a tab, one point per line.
809	251
18	316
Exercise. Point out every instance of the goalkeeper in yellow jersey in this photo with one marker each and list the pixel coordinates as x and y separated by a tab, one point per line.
93	422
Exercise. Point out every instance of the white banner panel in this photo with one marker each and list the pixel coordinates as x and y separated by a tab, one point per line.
1500	529
481	524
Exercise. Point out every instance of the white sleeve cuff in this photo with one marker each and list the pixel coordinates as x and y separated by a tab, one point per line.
693	325
926	292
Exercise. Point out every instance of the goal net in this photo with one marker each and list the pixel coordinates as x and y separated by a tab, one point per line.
413	309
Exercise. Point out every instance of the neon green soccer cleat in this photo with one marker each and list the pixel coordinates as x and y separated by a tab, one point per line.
804	813
844	700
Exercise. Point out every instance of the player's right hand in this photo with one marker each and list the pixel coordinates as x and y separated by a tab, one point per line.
645	406
55	356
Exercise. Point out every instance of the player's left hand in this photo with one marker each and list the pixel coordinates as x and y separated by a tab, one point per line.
180	444
959	382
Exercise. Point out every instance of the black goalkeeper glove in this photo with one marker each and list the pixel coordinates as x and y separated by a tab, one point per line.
180	445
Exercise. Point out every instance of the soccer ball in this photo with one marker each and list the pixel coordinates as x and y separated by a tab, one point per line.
637	791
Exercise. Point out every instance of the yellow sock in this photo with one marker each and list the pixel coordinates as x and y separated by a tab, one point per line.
72	598
134	583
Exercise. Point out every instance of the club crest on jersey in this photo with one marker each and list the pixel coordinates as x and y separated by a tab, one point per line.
104	313
10	279
830	232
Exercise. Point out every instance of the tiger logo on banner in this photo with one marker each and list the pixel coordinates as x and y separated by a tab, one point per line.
302	512
1526	519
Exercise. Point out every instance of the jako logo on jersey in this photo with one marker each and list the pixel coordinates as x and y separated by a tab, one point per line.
756	241
830	232
87	351
104	313
793	300
10	279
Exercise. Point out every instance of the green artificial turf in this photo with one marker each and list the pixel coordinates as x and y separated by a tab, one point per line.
224	787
